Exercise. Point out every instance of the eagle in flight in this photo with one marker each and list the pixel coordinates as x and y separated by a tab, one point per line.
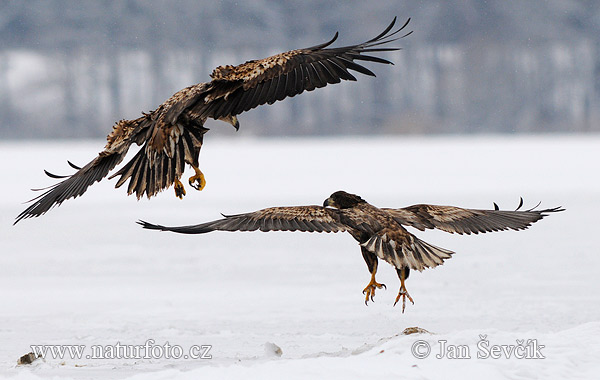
172	134
380	232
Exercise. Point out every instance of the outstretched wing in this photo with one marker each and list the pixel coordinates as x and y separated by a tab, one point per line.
123	135
467	221
235	89
299	218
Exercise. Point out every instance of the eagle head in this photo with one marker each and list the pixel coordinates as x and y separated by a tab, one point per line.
341	199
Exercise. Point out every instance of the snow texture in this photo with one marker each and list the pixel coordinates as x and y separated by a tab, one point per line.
86	274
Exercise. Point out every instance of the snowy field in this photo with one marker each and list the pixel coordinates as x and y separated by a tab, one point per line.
86	274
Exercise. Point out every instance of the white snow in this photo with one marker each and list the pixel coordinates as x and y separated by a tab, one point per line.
86	274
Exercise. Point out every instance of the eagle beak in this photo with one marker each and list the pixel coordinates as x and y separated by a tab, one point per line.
231	119
329	202
235	123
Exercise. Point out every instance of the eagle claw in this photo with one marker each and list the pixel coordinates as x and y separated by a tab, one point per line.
196	185
197	181
403	293
369	291
179	189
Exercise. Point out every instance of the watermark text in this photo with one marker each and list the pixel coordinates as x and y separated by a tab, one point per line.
149	350
484	349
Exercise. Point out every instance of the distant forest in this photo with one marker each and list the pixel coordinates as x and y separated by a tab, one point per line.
70	69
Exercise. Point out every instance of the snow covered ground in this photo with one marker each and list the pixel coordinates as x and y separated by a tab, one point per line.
86	274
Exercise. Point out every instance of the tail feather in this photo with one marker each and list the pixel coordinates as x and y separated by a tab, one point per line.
431	254
150	171
412	252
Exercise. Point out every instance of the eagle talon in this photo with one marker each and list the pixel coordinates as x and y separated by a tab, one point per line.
403	293
197	181
179	189
369	290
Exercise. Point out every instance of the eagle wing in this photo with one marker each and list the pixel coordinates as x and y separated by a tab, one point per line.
235	89
125	133
466	221
298	218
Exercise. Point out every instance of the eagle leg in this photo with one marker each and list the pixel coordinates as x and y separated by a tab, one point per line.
197	181
179	189
369	291
403	274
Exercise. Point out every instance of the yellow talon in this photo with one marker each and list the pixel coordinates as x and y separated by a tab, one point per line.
369	290
179	189
403	292
197	181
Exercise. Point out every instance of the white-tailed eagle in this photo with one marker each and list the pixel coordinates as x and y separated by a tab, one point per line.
171	135
380	232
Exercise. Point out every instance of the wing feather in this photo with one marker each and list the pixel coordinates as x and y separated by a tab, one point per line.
319	81
273	88
120	139
324	74
341	70
309	75
242	98
300	73
298	218
331	71
290	84
303	70
466	221
282	87
255	94
349	64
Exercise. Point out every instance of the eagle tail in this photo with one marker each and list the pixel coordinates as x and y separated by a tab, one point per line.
72	186
151	171
137	169
426	255
416	254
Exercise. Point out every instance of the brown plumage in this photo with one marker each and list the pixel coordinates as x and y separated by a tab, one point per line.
379	231
172	134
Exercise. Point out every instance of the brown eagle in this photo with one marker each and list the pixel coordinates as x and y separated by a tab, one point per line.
172	134
379	231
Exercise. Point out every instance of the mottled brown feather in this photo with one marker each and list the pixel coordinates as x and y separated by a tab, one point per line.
124	133
294	218
465	221
300	69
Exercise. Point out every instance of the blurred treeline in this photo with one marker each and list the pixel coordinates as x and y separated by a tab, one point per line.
72	68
